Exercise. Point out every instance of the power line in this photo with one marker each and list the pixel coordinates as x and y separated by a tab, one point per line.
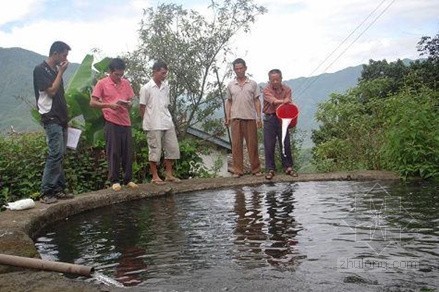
307	85
387	7
358	26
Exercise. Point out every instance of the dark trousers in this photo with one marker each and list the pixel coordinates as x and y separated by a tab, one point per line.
119	148
273	133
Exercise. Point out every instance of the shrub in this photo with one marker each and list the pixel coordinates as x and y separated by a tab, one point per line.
86	168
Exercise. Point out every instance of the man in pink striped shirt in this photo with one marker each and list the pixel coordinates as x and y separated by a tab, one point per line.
113	94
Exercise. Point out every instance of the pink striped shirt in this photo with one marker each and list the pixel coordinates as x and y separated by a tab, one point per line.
109	92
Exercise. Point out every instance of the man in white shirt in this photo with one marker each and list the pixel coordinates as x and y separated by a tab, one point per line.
158	124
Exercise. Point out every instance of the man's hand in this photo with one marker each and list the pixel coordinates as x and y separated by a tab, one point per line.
227	122
259	123
124	103
114	106
63	66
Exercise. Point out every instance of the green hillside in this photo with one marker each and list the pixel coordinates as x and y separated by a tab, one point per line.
309	92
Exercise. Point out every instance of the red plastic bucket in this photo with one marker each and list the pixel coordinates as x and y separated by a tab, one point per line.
288	111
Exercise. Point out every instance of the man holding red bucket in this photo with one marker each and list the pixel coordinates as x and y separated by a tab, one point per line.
278	109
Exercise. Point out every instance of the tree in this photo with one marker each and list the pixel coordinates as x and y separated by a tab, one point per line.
428	71
390	120
392	74
430	47
196	48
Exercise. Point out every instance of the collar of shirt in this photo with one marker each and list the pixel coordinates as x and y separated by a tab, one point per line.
245	81
114	83
49	70
162	85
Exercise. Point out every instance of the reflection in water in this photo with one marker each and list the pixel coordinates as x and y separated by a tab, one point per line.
265	228
306	236
360	232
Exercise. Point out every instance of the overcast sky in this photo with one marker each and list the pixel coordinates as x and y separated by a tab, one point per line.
302	38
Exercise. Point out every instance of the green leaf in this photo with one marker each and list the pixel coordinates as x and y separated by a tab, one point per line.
83	77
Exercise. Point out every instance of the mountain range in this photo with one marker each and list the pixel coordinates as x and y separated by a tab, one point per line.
16	90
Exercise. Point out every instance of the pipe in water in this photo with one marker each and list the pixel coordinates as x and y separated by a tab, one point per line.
39	264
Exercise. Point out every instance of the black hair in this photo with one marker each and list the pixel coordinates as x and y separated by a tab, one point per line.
239	61
275	71
58	47
116	64
159	65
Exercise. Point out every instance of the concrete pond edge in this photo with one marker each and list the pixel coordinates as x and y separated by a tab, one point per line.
19	228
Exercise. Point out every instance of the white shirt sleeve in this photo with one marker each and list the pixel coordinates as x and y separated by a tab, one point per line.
143	95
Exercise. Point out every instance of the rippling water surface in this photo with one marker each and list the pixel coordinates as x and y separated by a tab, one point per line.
313	236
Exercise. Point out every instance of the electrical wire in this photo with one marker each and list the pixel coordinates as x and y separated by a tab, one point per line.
312	81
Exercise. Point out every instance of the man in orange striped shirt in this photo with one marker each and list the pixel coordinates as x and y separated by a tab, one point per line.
243	115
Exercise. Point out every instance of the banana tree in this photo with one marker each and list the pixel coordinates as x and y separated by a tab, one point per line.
78	98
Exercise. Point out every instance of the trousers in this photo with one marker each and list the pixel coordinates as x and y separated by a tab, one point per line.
53	179
119	150
273	134
245	130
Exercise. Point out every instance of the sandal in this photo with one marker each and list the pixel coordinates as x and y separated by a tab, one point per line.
157	182
269	175
258	173
290	171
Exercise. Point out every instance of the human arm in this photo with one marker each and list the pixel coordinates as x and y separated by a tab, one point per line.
99	97
128	96
228	106
270	97
142	110
53	89
258	112
125	103
143	99
96	102
288	95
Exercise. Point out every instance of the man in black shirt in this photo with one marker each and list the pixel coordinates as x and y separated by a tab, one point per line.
52	106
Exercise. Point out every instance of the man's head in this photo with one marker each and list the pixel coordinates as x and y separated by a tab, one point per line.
58	52
275	78
117	69
239	67
159	71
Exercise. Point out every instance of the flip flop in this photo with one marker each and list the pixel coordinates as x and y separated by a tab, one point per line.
157	182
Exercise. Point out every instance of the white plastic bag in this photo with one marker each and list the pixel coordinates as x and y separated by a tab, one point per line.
22	204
